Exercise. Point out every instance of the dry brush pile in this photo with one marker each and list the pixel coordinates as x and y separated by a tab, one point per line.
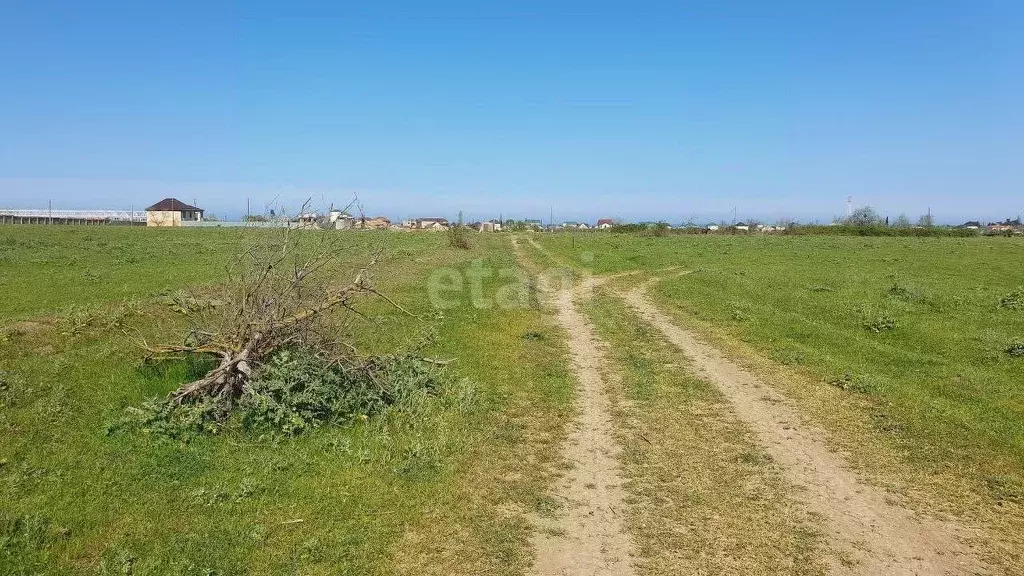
275	344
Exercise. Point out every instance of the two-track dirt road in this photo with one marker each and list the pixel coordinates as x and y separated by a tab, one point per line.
865	534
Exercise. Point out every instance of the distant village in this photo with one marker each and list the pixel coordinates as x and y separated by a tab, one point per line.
171	212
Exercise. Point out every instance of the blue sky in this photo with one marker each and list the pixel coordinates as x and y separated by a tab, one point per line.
638	110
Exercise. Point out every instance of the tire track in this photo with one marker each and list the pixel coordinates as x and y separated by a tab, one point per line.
587	536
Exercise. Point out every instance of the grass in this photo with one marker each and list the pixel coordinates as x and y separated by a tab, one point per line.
704	497
898	347
442	489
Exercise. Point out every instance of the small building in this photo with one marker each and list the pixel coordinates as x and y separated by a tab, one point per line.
971	225
605	223
172	212
432	223
490	226
341	220
375	223
306	220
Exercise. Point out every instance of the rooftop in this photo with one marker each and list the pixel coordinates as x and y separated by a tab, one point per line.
172	205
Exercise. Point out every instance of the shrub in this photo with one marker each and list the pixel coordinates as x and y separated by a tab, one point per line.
458	235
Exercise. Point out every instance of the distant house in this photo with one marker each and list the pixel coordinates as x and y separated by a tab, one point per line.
172	212
375	223
341	220
971	225
306	220
489	226
712	227
605	223
535	224
742	226
432	223
577	225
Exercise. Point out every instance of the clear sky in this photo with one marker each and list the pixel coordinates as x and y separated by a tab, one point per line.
638	110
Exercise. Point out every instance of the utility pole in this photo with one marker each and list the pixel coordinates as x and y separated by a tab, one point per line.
849	206
247	213
734	209
49	211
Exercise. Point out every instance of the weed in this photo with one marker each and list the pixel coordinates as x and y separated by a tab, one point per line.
117	561
23	543
898	290
1013	300
1016	349
739	315
788	356
880	323
75	320
853	383
1005	489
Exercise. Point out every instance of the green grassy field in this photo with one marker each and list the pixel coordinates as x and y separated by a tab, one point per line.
897	347
412	491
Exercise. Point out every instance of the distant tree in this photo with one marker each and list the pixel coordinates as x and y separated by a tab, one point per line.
926	220
901	221
863	216
211	217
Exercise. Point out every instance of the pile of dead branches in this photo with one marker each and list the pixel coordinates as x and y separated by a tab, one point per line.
289	289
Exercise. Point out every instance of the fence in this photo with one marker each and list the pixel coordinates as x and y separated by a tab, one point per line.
67	217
